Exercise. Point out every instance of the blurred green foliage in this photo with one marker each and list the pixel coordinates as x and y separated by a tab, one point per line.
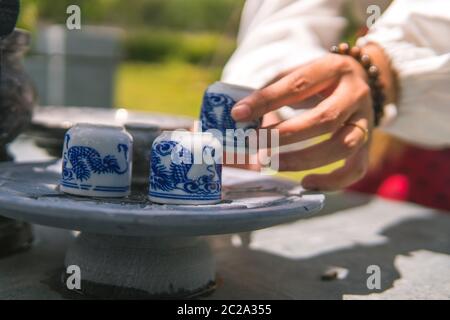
187	15
161	45
194	31
173	87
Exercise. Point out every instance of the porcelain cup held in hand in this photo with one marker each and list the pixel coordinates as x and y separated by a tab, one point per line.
186	168
97	161
218	101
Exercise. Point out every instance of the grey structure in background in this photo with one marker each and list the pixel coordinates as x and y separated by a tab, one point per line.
75	67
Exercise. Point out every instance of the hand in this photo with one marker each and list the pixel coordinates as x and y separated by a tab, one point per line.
346	113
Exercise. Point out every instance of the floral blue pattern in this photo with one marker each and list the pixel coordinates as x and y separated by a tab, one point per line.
216	114
166	178
212	117
79	162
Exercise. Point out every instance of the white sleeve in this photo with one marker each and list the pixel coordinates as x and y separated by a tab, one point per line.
415	34
276	35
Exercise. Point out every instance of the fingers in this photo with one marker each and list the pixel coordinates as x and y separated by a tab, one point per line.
343	144
354	169
300	84
326	117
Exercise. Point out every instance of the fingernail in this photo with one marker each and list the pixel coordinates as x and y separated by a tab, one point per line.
241	112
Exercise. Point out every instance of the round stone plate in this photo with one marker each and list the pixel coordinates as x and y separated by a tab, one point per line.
251	201
49	124
65	117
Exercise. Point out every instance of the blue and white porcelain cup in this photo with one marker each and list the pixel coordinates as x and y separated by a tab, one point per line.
97	161
186	168
218	101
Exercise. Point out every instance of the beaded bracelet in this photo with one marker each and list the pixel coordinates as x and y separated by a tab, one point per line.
376	88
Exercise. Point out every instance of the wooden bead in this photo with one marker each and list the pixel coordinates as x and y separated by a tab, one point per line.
355	52
376	88
373	83
334	49
373	71
344	48
365	61
377	85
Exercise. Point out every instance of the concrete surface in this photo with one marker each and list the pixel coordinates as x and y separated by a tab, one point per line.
409	243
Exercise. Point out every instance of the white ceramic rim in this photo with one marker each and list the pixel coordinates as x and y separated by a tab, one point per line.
232	86
97	126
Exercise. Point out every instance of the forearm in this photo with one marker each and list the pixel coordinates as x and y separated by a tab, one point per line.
278	35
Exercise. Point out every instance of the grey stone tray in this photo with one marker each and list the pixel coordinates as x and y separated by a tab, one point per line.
50	123
132	248
53	117
251	201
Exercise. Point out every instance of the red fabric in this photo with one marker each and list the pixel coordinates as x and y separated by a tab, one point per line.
420	176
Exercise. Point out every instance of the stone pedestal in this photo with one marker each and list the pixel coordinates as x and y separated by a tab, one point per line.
121	267
15	236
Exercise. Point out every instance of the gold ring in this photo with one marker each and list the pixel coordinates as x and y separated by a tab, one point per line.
364	130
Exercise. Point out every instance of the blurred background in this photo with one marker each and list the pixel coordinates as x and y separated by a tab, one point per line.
143	55
139	51
159	56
